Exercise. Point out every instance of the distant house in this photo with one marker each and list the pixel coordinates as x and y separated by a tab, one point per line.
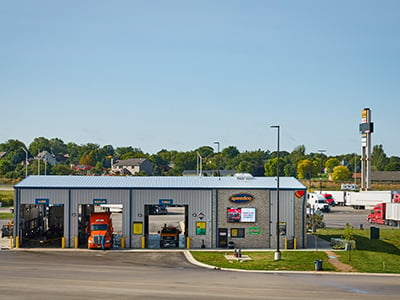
46	156
52	159
2	154
132	166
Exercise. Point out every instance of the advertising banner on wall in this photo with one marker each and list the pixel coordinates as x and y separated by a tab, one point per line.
242	215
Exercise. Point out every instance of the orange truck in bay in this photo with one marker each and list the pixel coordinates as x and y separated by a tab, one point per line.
169	236
101	231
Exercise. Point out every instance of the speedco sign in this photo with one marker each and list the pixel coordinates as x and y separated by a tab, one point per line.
241	198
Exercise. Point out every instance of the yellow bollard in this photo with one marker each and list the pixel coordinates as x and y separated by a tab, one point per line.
122	242
17	242
76	242
188	242
143	242
295	243
63	242
286	243
11	242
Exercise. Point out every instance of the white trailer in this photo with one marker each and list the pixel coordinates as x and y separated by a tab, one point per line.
392	214
338	196
367	199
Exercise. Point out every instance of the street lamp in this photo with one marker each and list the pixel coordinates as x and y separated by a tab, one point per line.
320	171
26	161
219	174
277	254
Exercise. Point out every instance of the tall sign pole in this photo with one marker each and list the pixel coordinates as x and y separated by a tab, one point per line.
366	128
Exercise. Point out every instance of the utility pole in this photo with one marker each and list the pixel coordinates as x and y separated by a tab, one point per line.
26	161
277	254
320	171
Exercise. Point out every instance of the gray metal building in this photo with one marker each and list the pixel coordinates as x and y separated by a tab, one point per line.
217	210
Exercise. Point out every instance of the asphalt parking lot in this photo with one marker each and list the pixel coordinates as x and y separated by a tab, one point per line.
340	215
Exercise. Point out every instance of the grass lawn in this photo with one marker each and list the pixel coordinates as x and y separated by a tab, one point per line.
372	255
6	216
290	260
7	198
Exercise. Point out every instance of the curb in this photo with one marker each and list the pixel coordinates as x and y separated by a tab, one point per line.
191	260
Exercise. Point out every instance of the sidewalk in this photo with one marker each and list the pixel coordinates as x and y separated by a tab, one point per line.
5	243
314	242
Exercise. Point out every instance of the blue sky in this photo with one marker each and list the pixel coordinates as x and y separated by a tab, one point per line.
178	75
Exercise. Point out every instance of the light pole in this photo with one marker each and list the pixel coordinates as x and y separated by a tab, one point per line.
277	254
217	143
26	161
320	171
199	164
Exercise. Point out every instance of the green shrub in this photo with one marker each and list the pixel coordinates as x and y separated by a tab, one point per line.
7	198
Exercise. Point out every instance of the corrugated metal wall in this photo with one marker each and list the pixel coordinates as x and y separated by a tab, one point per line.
198	201
56	196
87	196
286	214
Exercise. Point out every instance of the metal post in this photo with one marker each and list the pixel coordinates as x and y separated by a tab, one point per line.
38	161
26	161
320	169
277	254
199	165
217	143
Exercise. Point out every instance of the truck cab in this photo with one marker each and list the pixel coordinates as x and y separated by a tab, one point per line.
101	230
377	214
169	236
317	201
329	199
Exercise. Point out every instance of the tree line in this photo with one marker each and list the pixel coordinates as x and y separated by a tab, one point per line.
297	163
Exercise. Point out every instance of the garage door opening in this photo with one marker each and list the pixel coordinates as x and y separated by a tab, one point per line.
166	226
42	226
100	226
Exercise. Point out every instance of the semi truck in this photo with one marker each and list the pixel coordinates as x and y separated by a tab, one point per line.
329	199
169	236
100	231
385	213
318	202
368	199
338	196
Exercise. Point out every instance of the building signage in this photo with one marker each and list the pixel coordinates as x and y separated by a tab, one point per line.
299	193
248	214
41	201
245	214
254	230
137	228
241	198
201	228
166	202
99	201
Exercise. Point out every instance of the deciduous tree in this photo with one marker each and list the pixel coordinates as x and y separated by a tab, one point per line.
341	173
